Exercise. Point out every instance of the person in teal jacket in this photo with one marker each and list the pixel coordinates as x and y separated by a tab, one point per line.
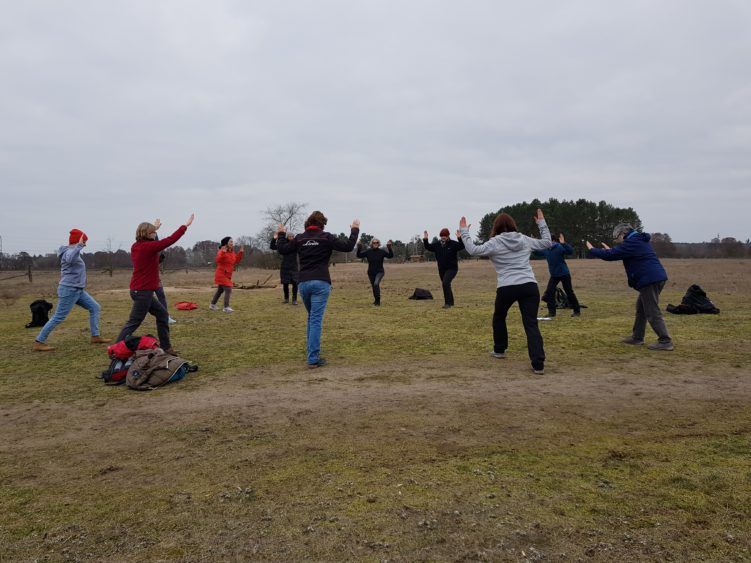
559	273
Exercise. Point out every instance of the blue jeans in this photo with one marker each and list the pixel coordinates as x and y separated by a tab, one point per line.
315	295
68	297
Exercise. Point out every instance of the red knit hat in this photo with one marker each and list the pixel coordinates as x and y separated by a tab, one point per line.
75	236
445	232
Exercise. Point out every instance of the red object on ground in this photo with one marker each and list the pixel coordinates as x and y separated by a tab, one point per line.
185	305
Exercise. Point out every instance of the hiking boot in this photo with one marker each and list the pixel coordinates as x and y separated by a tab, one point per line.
319	364
228	310
212	307
99	340
664	346
632	341
498	354
538	371
42	347
172	352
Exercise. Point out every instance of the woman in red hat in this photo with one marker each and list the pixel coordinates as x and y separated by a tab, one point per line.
71	291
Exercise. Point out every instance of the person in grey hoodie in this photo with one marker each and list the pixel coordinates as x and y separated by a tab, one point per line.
509	252
71	291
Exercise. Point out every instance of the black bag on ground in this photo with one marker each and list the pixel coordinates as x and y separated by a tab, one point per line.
561	299
421	294
695	301
40	310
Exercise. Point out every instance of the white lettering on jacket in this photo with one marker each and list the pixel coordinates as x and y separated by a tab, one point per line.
311	243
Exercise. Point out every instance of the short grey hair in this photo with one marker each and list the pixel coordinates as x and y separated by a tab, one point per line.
622	229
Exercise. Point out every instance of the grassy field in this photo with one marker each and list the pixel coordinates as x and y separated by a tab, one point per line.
413	444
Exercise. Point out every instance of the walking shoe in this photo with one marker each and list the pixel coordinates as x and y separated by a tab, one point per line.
447	306
172	321
377	303
632	341
99	340
540	371
228	310
286	301
42	347
498	354
319	364
172	352
664	346
212	307
576	314
294	301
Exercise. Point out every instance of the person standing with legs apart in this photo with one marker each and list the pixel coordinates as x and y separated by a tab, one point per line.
289	273
160	295
446	255
375	256
314	247
71	291
226	260
509	252
559	273
145	281
646	275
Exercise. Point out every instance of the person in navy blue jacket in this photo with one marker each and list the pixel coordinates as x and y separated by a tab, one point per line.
646	275
559	273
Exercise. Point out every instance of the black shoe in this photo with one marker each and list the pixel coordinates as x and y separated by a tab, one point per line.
286	301
538	371
294	302
576	314
319	364
447	306
377	303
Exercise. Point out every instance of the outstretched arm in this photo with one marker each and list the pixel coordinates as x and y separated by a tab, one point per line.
349	244
544	241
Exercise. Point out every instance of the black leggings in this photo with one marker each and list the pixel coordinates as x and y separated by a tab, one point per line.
227	290
447	276
375	283
528	297
286	291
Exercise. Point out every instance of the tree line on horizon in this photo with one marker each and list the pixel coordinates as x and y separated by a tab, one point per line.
579	220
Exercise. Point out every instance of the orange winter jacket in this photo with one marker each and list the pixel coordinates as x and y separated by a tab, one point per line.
225	265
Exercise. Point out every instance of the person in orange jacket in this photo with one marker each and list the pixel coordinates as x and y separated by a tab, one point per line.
226	260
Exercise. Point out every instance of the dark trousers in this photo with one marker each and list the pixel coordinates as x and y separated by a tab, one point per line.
162	298
549	296
227	290
144	303
528	297
286	291
648	309
375	283
447	276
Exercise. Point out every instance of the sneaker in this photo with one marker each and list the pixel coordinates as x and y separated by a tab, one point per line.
498	354
540	371
212	307
172	321
228	310
632	341
576	314
447	306
319	364
664	346
99	340
42	347
294	301
286	301
377	303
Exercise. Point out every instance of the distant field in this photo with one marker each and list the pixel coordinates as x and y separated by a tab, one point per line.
413	444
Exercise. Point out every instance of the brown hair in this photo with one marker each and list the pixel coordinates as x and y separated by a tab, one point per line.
144	230
316	219
503	223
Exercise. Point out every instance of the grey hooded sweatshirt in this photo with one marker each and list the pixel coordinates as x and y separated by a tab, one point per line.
72	266
509	253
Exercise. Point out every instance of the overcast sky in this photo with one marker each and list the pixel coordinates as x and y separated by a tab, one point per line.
404	114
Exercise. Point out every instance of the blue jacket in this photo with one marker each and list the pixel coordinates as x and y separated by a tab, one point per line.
72	266
642	265
556	257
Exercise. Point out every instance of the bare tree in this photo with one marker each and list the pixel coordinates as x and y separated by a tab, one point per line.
291	215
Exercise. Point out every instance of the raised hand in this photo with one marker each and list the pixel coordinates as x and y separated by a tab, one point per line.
355	224
561	239
281	229
539	217
157	223
605	246
458	234
389	242
276	235
463	223
189	222
589	245
425	234
82	240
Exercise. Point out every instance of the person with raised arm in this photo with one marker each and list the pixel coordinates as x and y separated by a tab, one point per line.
375	256
226	260
145	281
559	273
71	291
314	247
446	256
646	275
289	273
509	252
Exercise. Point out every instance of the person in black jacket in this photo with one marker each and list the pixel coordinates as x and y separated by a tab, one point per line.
375	256
314	248
446	251
289	273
